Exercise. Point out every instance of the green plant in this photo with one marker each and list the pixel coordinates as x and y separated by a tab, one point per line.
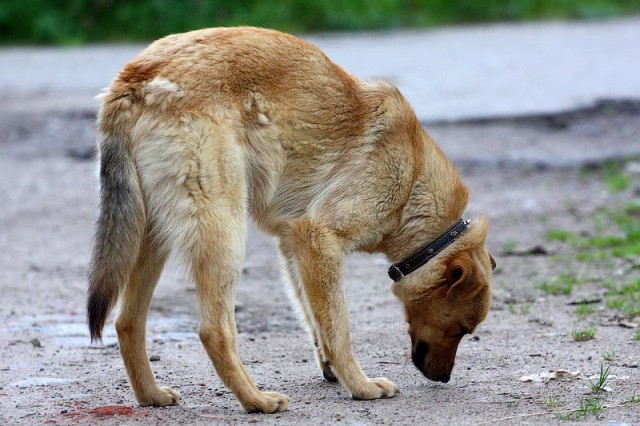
560	235
583	310
509	246
617	182
561	284
583	334
523	309
614	177
632	400
599	385
609	355
588	406
636	336
605	244
554	401
89	20
625	298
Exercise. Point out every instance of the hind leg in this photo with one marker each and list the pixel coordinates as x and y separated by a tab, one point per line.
216	270
131	323
297	286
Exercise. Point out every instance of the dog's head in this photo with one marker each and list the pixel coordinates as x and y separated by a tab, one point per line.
446	299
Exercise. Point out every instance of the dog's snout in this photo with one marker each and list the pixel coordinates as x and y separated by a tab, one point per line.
430	363
445	377
419	354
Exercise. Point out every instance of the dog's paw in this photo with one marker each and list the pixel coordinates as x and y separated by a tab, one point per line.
162	397
375	389
267	402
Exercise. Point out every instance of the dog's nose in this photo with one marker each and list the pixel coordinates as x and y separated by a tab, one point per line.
445	377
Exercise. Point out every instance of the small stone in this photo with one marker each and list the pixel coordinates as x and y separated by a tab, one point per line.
36	343
219	393
633	168
154	358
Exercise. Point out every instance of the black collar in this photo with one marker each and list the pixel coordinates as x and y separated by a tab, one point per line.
398	270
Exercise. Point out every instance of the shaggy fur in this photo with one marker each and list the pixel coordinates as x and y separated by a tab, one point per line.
204	127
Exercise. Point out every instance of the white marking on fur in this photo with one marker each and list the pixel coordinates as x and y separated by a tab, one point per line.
263	118
163	85
160	90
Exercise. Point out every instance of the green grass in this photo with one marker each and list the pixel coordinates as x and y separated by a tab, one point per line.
632	400
625	298
609	356
583	310
605	244
588	406
603	377
78	21
593	406
560	235
583	334
509	246
561	284
522	309
554	402
615	179
636	336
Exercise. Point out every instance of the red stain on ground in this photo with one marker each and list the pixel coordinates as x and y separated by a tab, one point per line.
111	410
104	411
74	416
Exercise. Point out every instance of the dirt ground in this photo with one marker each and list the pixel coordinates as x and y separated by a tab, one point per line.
528	175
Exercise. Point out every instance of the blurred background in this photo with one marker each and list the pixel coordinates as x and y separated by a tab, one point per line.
81	21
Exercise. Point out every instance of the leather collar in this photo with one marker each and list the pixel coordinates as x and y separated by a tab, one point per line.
399	270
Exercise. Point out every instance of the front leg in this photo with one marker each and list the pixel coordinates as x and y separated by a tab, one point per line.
289	259
319	258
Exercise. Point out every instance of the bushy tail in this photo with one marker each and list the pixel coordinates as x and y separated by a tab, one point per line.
119	231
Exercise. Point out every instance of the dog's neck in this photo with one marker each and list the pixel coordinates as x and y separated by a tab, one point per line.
437	200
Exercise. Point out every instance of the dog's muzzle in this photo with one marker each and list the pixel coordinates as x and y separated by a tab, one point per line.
419	358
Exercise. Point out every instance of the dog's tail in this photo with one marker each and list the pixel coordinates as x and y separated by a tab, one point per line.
120	227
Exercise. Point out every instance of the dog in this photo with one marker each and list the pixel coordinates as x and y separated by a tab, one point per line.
202	129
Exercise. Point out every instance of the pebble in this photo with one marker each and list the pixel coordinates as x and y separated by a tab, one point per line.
36	343
633	168
154	358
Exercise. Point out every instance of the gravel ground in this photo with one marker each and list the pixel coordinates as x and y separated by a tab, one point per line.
527	175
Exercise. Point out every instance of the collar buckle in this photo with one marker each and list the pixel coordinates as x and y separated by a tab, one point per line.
395	273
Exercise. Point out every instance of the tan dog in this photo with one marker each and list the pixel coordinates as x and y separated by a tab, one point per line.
206	126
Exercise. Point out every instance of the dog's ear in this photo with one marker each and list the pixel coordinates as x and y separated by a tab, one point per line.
461	277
